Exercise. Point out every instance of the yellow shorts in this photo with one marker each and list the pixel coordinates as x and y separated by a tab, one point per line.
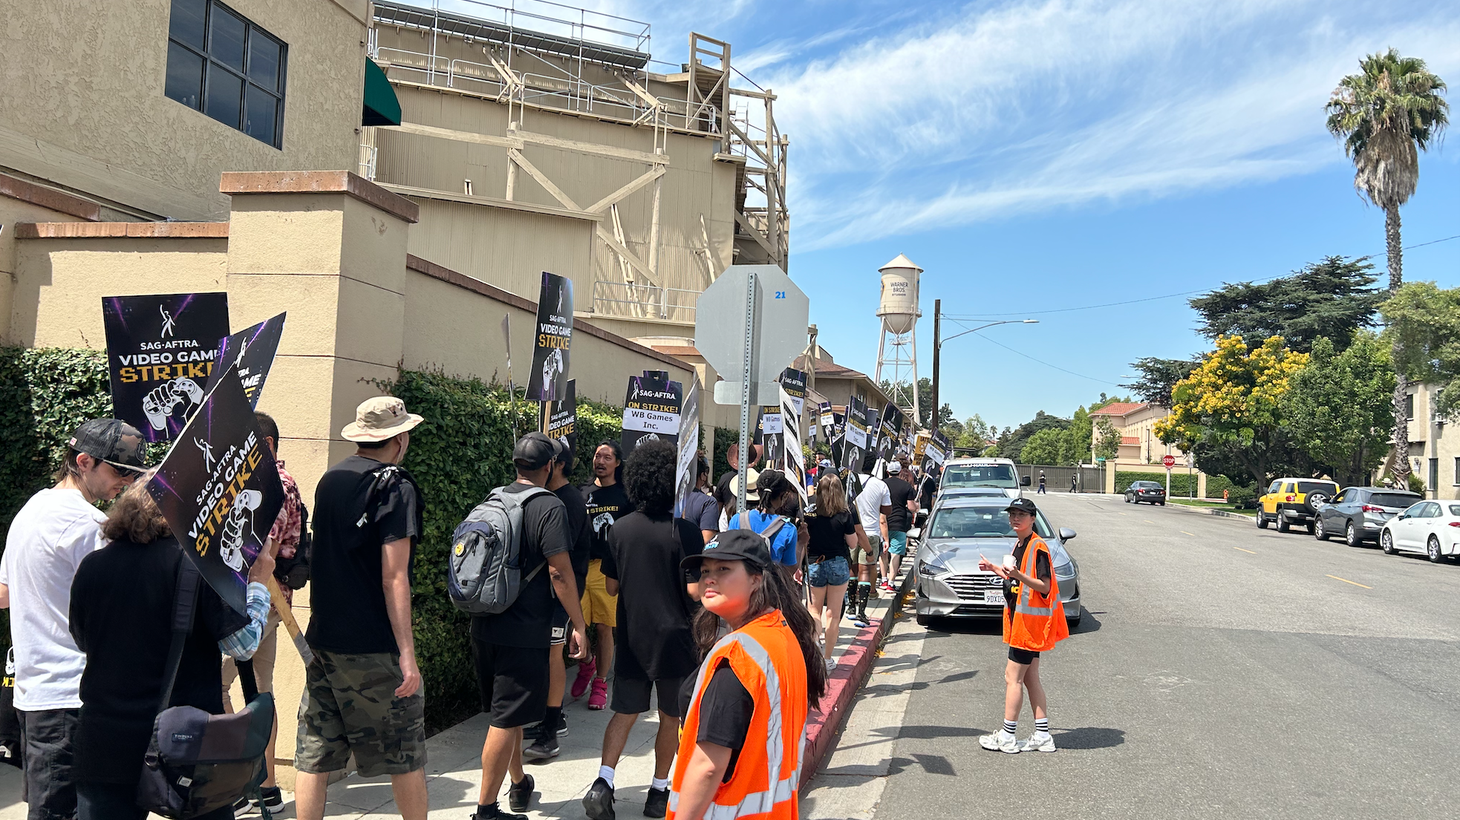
598	606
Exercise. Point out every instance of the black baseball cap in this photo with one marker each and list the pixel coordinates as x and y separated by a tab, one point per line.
534	451
733	545
111	440
1022	504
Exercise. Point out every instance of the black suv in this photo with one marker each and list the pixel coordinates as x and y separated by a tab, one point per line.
1358	513
1139	491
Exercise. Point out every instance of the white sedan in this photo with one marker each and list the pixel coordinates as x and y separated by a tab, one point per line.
1431	528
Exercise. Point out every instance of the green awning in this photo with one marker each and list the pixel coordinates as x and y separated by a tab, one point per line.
381	105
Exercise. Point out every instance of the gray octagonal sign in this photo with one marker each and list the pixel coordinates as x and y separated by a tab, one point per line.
777	337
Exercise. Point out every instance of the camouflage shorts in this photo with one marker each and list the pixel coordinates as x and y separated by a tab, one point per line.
350	707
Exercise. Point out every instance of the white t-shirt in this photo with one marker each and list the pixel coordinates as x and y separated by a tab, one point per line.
48	538
870	501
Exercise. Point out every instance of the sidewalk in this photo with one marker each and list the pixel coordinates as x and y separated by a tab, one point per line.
454	756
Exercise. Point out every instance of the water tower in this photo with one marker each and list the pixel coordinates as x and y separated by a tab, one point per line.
897	348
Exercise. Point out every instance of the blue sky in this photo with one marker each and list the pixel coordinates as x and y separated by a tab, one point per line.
1036	155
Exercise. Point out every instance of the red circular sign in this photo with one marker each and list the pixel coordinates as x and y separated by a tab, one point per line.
1169	461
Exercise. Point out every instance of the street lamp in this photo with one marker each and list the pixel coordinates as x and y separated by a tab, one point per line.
938	341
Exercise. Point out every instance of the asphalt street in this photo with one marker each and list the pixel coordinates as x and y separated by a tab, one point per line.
1221	671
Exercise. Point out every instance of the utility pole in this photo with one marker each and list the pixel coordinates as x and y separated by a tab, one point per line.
937	344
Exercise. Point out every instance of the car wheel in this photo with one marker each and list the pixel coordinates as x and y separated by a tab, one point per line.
1351	535
923	620
1318	531
1432	549
1282	522
1311	525
1261	521
1163	503
1386	542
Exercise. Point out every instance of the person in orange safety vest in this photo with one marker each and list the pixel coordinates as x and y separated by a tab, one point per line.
1034	620
744	725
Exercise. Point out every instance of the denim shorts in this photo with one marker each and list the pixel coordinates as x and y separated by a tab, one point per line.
831	572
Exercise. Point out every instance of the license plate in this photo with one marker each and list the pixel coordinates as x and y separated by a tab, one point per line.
993	596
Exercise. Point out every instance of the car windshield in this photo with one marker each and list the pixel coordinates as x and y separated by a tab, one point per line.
1317	487
979	522
980	475
1400	500
1146	485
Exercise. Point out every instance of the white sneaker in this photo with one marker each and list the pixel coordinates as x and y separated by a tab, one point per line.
830	665
1039	742
1000	741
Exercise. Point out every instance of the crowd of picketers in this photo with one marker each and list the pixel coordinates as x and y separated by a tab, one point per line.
722	619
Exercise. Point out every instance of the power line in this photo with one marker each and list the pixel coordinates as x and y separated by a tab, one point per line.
982	316
1046	364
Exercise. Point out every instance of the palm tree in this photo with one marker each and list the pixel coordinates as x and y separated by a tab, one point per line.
1385	115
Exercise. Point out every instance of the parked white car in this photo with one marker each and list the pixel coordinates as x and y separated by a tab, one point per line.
1431	528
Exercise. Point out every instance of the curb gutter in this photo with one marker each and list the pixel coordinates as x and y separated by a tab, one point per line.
852	670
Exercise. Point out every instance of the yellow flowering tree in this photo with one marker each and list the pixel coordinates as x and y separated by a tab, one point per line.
1232	404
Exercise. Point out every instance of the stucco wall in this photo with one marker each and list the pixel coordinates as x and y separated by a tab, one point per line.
84	104
11	212
506	248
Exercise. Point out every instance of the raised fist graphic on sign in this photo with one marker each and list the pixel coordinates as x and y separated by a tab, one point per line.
162	403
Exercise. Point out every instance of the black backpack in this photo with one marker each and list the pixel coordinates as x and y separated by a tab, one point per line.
294	572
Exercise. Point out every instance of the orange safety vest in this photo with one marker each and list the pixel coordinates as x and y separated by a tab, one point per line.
1037	621
766	658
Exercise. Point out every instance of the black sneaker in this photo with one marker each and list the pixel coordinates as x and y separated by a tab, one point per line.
242	806
658	803
273	798
598	802
520	795
493	812
544	747
562	725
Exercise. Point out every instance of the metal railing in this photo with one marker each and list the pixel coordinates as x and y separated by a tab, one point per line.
634	301
368	154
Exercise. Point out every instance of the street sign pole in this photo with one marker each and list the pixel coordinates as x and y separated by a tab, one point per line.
747	374
1168	461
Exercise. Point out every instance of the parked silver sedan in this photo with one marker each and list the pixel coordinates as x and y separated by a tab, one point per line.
960	530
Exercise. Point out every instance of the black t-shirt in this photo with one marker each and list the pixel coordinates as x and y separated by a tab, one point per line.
725	712
1041	571
579	535
121	616
605	506
899	520
528	622
354	517
926	490
722	488
653	636
829	534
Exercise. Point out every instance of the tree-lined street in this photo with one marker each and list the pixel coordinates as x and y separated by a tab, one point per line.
1220	671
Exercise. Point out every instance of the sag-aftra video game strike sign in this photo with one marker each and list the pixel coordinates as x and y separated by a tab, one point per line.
160	352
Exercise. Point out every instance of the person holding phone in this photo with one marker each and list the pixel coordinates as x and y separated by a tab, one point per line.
1034	621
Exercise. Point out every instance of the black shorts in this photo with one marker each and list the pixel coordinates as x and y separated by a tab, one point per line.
559	635
631	694
1023	657
513	681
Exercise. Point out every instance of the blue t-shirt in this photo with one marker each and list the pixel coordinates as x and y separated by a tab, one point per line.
783	544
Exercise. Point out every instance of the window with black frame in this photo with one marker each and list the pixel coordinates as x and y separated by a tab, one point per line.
220	63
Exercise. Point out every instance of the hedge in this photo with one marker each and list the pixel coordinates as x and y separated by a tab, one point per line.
459	454
44	395
1182	484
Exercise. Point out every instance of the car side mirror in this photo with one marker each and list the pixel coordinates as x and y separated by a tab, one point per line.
1025	481
1066	533
1403	516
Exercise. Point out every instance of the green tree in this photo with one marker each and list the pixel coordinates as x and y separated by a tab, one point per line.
946	419
1106	438
1077	439
1386	114
1158	377
1330	299
1044	447
975	435
1337	409
1423	325
1011	443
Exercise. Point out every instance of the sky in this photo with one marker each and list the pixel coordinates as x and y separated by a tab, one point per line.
1040	157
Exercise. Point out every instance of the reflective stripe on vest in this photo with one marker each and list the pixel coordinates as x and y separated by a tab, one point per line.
785	788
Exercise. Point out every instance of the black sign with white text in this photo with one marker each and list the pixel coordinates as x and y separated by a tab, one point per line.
160	354
253	350
552	337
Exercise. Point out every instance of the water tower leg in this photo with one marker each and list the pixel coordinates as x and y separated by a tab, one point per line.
881	343
913	366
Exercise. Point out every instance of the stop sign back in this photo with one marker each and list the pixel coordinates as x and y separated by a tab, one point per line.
1169	461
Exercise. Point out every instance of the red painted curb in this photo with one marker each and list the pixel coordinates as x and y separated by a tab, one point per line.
852	670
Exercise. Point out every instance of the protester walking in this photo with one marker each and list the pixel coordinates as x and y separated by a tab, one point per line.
700	508
284	537
899	521
48	538
833	533
874	504
775	516
1075	482
122	607
759	679
510	649
656	605
928	488
1041	483
1034	620
607	503
362	690
554	724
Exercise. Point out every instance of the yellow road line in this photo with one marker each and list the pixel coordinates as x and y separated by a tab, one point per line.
1249	552
1347	581
1192	534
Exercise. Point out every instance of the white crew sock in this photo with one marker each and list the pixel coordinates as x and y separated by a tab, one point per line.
660	783
606	772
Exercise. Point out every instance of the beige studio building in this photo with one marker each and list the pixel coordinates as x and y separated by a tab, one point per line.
394	176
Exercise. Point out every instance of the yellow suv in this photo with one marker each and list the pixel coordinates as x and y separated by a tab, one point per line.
1291	501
